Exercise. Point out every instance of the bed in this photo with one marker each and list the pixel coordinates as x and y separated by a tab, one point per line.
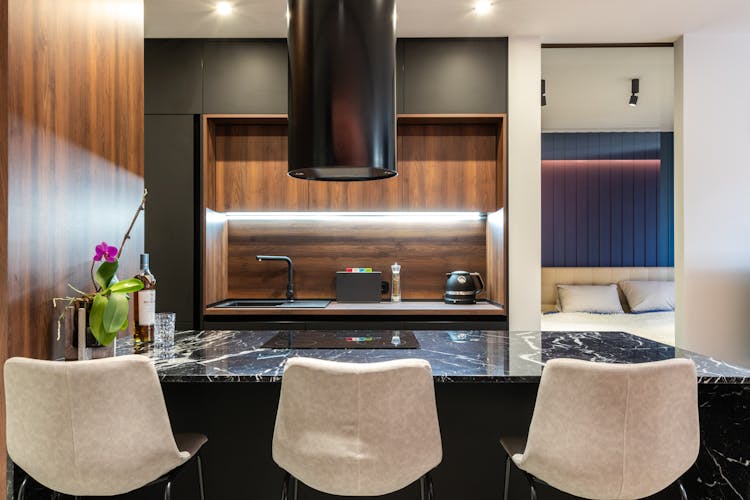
658	326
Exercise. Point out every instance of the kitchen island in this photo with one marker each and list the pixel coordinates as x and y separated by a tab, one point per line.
223	383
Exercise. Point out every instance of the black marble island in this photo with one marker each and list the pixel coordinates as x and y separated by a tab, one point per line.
224	383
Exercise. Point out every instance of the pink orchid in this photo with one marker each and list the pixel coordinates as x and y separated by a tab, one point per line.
108	252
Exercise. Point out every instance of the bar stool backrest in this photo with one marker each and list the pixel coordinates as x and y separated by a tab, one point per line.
357	429
610	431
89	428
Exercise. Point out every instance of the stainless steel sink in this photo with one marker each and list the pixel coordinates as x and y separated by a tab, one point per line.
245	303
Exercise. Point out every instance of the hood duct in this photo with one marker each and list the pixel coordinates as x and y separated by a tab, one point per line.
342	91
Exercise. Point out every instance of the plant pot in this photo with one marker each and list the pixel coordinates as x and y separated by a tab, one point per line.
90	339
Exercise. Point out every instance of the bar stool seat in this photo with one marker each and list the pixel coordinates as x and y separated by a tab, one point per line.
607	431
357	429
94	428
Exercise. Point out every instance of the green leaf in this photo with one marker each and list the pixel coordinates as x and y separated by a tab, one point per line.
124	326
96	315
105	273
116	313
127	286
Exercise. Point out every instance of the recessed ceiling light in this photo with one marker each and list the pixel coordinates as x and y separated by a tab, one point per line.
224	8
482	7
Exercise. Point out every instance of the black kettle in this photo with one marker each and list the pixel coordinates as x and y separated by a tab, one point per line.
460	287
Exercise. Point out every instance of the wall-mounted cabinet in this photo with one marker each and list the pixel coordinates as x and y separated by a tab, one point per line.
248	76
173	77
446	163
448	75
441	75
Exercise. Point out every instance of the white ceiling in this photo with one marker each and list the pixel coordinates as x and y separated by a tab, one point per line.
556	21
588	89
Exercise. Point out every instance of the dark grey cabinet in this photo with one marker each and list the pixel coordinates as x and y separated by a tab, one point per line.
245	76
399	76
173	76
171	232
455	75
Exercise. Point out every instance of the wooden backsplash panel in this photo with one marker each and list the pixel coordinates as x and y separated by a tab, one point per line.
449	166
249	160
215	258
320	248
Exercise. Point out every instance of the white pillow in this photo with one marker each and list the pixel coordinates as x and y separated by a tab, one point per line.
589	298
647	296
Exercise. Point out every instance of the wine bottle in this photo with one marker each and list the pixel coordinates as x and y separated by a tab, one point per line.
145	305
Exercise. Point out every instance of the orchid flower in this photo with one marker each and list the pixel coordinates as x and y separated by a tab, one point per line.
109	253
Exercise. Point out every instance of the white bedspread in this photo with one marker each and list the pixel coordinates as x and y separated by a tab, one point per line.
658	326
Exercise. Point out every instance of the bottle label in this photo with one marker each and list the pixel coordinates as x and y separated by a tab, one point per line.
146	307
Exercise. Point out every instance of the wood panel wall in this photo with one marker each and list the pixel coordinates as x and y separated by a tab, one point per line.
445	164
320	248
75	153
215	286
449	166
3	219
497	253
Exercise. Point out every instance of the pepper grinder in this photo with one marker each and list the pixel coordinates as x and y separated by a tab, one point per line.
396	283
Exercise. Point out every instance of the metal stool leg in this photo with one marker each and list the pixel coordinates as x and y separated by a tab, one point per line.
425	487
507	477
531	485
168	490
286	485
22	488
430	492
683	493
200	476
295	483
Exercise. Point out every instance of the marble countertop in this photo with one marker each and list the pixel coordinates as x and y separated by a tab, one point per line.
455	356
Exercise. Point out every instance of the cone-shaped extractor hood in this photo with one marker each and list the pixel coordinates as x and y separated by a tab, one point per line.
342	92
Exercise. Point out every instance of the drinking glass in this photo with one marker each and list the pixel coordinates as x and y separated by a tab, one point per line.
164	333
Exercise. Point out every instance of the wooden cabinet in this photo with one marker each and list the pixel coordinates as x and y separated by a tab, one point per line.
455	75
170	213
173	76
245	76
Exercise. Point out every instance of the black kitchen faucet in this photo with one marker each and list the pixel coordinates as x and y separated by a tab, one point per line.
290	278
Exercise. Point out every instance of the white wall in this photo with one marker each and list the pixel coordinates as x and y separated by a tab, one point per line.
525	182
712	194
588	89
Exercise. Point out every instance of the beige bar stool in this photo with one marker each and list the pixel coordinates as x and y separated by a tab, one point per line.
607	431
354	429
93	428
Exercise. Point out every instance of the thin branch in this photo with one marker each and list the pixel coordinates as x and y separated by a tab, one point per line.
132	223
96	287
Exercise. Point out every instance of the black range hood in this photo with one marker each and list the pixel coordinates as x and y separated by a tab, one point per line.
342	92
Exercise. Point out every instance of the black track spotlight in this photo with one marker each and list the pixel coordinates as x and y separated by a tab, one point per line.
634	90
544	93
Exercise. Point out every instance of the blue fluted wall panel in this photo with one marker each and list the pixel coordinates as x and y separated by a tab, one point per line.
607	199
